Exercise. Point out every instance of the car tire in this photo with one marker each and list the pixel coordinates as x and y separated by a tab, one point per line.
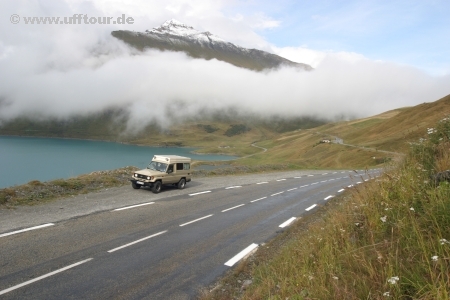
181	184
157	187
135	185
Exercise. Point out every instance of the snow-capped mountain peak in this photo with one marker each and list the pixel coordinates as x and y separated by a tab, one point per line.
173	35
177	28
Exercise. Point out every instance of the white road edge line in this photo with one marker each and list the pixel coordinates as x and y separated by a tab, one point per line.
311	207
133	206
196	220
287	222
44	276
277	193
135	242
233	187
297	177
27	229
341	190
232	207
199	193
258	199
292	189
310	175
262	182
241	255
282	179
329	197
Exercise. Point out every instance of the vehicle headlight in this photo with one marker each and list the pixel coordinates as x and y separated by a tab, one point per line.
149	177
135	175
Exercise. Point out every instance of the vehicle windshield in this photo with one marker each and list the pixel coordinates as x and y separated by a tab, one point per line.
157	166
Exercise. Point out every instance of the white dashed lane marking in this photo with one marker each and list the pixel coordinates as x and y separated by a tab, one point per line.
232	207
233	187
311	207
133	206
258	199
135	242
199	193
277	193
196	220
241	255
27	229
43	276
287	222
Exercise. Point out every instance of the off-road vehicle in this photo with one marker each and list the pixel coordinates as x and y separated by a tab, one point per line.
163	170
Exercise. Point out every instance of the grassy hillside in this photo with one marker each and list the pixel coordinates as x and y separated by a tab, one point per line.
386	239
294	142
106	125
391	131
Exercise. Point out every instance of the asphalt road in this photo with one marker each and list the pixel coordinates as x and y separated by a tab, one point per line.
147	246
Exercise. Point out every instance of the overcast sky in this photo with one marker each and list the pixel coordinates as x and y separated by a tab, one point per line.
369	57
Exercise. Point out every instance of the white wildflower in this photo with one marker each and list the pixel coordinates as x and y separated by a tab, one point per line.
393	280
383	219
412	209
335	277
386	294
434	258
444	241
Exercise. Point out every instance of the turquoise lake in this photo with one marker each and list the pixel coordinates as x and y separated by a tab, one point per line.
23	159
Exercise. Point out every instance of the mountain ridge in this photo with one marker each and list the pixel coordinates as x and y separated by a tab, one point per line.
175	36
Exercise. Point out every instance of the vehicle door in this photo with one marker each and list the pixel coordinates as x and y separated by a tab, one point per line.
171	176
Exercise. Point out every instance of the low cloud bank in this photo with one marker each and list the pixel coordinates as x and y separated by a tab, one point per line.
64	71
146	84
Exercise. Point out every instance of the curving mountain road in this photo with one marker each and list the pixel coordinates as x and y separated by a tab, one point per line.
137	245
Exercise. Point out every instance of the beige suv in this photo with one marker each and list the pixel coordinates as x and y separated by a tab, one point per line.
163	170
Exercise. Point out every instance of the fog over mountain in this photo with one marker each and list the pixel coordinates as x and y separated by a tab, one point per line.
62	71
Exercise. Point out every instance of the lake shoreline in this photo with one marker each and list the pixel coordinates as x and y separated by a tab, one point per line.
40	158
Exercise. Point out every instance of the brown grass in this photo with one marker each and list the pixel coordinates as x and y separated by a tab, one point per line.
388	238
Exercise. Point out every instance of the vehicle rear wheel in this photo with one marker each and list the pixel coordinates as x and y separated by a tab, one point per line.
157	187
135	185
181	184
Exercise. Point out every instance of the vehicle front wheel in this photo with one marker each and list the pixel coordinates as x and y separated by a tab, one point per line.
157	187
135	185
181	184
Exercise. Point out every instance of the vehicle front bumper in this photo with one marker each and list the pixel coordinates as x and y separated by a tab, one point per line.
142	182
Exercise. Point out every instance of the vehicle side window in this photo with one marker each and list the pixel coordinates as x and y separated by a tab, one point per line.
187	166
170	168
179	166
